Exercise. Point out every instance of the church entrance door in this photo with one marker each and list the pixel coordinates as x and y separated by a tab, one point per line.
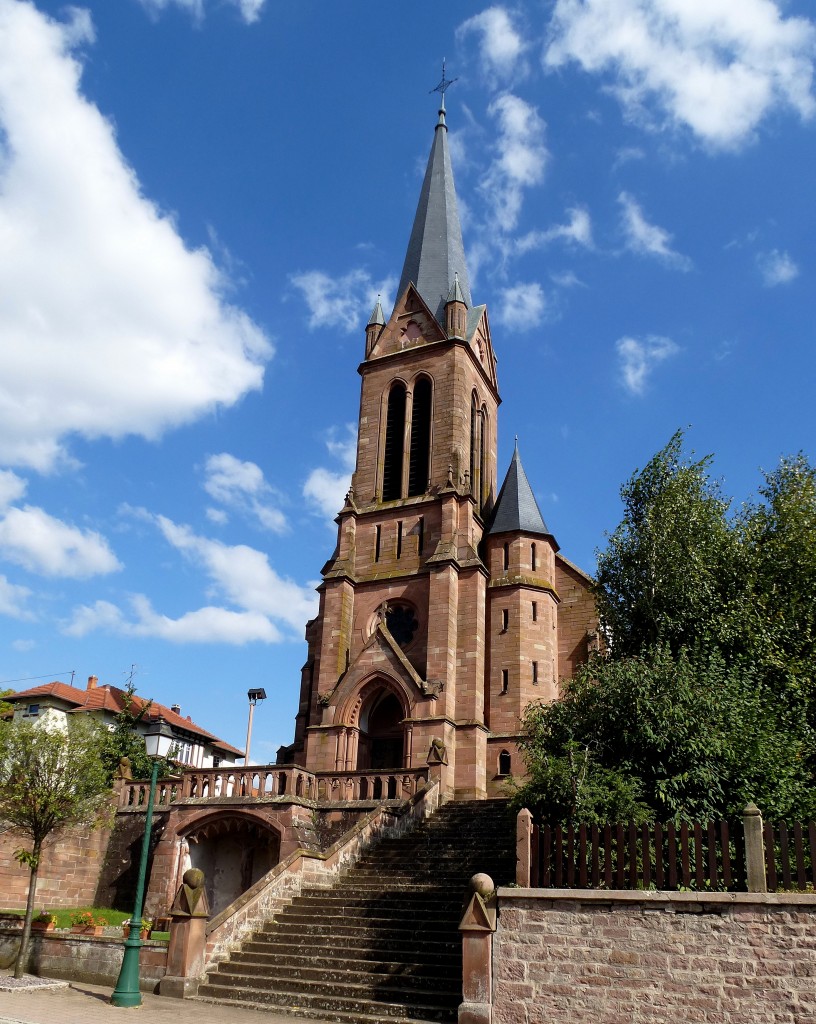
382	743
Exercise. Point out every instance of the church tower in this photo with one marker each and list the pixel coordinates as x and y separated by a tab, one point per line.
439	608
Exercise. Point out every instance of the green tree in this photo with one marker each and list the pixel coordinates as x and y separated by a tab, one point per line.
4	704
125	740
664	736
49	779
705	697
670	573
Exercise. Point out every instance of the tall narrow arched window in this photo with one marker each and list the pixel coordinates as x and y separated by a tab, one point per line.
394	443
475	423
420	454
481	494
533	559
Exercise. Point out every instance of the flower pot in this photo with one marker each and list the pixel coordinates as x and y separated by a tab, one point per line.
86	929
42	926
143	934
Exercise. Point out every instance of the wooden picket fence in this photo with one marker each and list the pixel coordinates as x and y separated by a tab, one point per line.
703	857
790	856
629	856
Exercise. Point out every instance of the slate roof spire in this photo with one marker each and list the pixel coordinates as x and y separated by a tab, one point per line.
435	251
516	510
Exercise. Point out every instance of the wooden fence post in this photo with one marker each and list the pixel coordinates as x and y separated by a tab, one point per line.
524	832
754	849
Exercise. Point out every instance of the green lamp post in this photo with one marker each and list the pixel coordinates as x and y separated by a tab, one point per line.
127	991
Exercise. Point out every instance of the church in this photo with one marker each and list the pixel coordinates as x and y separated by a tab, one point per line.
446	606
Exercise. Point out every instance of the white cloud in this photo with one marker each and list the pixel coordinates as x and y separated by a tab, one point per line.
22	645
325	489
501	46
638	359
241	485
105	314
205	625
12	488
250	10
521	160
717	67
648	239
13	600
217	516
42	544
265	607
341	302
577	229
522	306
242	575
777	268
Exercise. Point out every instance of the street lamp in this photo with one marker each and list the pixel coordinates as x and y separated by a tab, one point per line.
254	697
127	991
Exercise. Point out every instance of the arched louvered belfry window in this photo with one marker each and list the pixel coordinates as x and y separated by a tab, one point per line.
483	475
475	423
394	443
419	458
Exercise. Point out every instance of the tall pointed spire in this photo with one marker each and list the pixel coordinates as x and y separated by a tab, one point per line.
435	250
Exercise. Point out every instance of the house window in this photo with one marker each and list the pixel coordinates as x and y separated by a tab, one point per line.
377	540
394	443
506	557
505	619
505	680
33	709
535	673
399	539
533	565
420	534
504	762
535	611
216	761
420	453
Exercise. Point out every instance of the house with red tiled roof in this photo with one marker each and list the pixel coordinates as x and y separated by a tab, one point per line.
53	702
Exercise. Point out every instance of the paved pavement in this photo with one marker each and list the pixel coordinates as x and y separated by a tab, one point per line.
90	1004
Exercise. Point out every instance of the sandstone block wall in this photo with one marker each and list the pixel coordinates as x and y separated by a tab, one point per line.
654	958
69	869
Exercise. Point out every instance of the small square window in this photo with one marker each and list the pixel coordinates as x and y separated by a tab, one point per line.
33	709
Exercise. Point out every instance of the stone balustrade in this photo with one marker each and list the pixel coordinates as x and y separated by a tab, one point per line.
276	781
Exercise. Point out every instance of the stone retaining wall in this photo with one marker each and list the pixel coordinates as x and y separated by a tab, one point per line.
83	958
654	957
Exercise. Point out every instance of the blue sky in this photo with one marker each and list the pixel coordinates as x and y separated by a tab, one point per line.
201	199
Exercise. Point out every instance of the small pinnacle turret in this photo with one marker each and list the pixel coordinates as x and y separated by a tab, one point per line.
516	509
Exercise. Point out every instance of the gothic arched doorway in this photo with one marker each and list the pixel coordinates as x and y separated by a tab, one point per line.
233	853
382	734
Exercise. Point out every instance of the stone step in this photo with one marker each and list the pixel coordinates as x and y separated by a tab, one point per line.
320	1005
365	946
289	923
277	949
335	1016
300	933
370	917
343	902
350	986
337	960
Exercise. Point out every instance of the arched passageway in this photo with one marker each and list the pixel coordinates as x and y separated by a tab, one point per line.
233	853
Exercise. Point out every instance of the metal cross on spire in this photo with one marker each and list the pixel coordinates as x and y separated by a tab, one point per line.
445	84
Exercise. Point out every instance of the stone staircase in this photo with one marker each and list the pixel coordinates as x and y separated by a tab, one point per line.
381	945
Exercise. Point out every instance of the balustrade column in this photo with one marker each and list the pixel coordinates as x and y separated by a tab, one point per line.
351	752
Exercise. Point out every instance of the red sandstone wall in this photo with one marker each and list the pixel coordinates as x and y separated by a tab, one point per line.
655	958
69	870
